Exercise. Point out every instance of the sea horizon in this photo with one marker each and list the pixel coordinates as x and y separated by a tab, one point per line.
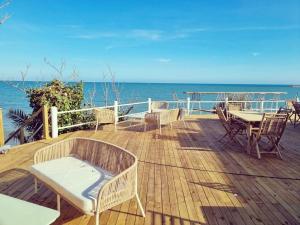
159	82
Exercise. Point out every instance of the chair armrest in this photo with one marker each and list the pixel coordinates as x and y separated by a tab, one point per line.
119	189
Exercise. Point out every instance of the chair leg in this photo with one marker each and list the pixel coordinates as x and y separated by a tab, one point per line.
96	126
278	151
96	218
140	205
257	149
58	202
35	185
184	124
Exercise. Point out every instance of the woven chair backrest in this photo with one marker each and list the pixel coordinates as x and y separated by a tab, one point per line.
235	106
159	105
104	115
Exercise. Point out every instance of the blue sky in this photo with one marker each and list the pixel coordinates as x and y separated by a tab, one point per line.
242	41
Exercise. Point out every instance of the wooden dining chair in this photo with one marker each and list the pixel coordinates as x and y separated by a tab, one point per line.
289	111
296	113
271	128
231	126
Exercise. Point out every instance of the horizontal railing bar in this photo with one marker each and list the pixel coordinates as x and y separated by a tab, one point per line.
134	103
200	101
179	101
260	101
85	109
100	107
75	125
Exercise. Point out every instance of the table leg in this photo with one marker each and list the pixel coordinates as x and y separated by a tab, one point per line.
249	129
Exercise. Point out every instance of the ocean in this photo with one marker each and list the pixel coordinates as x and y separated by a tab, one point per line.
15	98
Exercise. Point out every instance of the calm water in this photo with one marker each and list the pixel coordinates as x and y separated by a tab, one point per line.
13	98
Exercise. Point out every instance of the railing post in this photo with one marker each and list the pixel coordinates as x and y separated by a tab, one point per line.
1	129
262	105
45	122
226	103
54	125
116	110
149	105
188	105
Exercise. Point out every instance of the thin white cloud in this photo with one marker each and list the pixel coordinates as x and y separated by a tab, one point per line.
95	35
255	54
261	28
71	26
245	28
163	60
164	35
153	35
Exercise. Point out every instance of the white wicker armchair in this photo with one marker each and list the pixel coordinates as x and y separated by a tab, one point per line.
105	177
165	117
157	106
104	116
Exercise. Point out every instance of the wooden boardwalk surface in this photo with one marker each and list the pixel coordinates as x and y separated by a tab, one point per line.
185	177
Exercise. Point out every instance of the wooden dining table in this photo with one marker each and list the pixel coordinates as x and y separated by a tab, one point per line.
250	118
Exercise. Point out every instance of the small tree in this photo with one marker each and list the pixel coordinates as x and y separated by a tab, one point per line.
56	93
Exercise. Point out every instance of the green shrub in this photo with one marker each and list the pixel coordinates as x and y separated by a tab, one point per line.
63	96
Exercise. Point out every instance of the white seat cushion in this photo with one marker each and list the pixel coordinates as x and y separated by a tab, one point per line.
77	181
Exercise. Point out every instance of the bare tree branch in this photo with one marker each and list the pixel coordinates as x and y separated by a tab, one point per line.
23	78
59	70
4	4
74	75
6	16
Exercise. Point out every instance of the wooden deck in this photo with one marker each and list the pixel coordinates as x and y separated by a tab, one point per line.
185	177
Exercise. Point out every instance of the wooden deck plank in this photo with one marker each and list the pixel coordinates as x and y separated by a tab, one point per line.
185	177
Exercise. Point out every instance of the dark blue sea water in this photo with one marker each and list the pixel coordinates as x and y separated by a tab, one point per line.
12	97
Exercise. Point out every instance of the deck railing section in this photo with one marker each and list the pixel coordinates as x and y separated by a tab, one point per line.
186	104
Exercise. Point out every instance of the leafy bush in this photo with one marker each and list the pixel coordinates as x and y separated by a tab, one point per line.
56	93
63	96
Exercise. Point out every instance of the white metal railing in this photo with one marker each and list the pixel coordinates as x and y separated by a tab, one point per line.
186	104
55	113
